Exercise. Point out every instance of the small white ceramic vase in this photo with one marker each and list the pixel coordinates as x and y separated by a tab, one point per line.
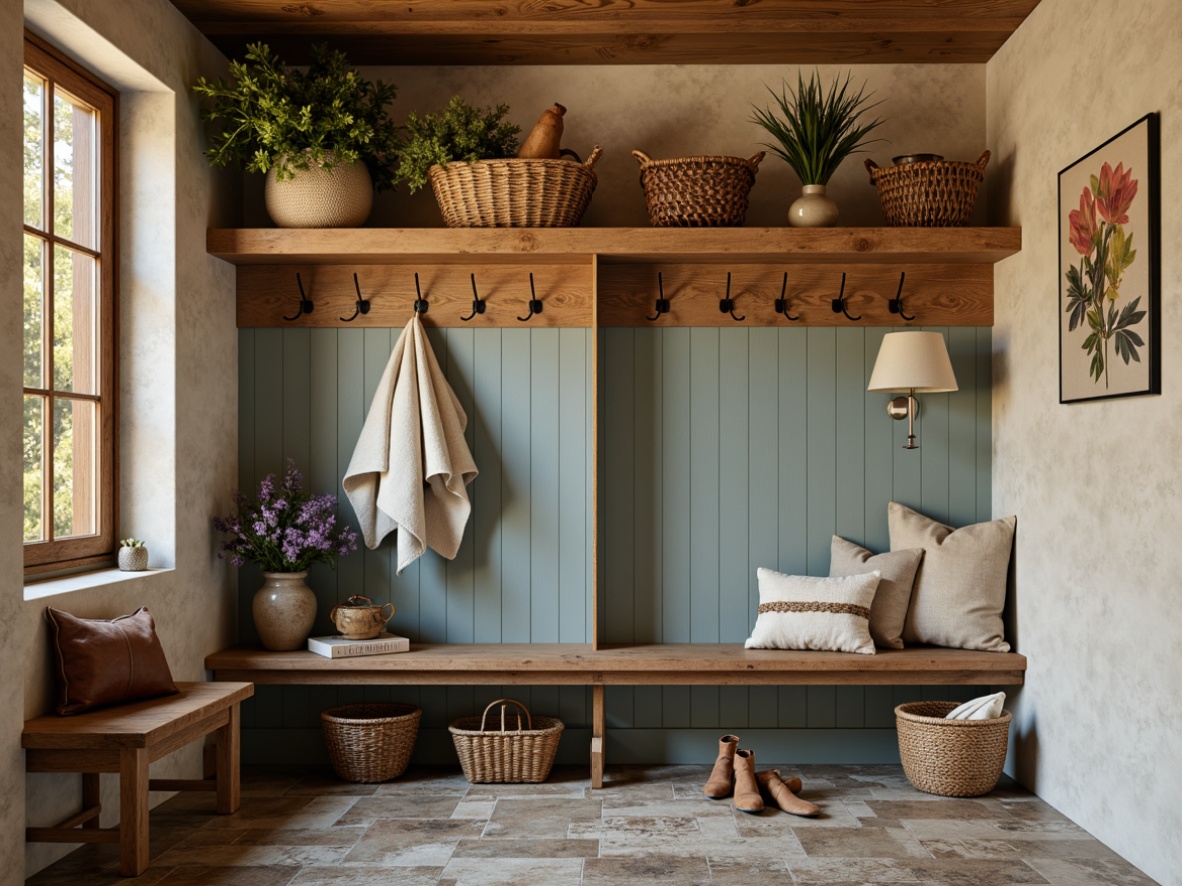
340	197
284	610
812	209
133	559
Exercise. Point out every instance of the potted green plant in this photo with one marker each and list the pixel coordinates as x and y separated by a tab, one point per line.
468	155
814	132
322	136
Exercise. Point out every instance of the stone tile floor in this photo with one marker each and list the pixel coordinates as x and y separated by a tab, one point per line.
649	824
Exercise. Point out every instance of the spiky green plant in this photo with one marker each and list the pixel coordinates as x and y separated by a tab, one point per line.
817	130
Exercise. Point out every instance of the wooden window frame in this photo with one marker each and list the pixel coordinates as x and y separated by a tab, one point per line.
96	550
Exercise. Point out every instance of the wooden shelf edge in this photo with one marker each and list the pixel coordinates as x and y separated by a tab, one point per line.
251	246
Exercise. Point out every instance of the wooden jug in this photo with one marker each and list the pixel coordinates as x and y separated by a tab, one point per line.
360	619
544	139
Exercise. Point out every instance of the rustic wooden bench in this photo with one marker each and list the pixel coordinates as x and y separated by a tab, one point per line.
666	664
126	739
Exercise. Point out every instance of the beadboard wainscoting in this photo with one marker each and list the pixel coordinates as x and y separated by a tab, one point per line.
721	450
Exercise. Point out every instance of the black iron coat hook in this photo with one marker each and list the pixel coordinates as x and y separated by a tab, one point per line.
727	305
782	301
362	303
305	302
839	303
662	302
478	305
535	303
896	303
420	302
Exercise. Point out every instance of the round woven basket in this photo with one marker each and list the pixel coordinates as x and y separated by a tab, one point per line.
952	758
929	194
502	755
696	192
370	742
514	193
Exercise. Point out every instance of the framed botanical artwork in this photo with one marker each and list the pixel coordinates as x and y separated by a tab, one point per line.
1110	269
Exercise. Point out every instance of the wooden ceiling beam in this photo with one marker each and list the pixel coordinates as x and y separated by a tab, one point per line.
618	31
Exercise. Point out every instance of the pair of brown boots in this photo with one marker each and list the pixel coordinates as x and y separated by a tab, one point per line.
734	774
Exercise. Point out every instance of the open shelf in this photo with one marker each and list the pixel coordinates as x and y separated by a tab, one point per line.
467	246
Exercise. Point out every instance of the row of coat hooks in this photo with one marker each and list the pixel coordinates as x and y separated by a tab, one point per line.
726	304
421	305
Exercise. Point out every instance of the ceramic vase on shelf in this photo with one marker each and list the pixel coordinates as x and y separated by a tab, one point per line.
340	197
284	610
133	559
812	209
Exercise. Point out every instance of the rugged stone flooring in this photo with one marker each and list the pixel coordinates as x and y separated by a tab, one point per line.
650	824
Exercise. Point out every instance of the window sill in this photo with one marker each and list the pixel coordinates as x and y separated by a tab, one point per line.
55	586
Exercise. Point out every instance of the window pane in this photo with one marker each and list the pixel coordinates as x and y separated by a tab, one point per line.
74	316
73	170
34	311
34	149
33	444
75	467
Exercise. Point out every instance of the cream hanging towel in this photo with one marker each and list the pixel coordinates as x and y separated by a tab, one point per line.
412	465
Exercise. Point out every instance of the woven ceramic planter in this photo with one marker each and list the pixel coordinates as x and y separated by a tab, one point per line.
133	559
340	197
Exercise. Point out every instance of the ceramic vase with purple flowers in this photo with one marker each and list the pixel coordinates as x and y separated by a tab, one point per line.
285	531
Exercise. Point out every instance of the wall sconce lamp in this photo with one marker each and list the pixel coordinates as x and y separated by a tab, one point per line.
915	362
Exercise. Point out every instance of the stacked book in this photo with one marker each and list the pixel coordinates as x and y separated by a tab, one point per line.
337	646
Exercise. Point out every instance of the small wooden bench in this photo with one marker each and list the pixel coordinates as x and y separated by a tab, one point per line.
664	664
126	739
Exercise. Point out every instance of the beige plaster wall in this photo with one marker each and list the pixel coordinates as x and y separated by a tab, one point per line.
1097	487
178	385
682	110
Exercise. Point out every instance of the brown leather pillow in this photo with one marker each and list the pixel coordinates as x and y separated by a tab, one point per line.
104	662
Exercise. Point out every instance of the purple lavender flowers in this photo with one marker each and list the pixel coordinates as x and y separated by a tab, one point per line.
286	530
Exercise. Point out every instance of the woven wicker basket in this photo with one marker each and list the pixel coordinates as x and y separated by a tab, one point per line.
506	756
370	742
514	193
696	192
931	194
952	758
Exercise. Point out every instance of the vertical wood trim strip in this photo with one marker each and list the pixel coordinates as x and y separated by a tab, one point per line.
595	406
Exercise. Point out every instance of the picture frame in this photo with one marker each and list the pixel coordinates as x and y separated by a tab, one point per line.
1109	304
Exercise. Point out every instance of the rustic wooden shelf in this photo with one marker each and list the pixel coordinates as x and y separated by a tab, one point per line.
467	246
478	32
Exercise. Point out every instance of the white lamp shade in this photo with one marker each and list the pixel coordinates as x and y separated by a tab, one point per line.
912	360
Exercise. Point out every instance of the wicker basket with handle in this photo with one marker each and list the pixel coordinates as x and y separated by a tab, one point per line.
952	758
514	193
695	192
370	742
928	194
506	755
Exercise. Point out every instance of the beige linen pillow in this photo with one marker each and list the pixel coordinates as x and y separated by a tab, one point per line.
888	612
960	588
804	612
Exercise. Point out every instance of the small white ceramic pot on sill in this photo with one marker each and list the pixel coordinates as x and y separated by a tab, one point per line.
133	559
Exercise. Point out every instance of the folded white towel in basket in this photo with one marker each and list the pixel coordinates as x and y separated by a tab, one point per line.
987	707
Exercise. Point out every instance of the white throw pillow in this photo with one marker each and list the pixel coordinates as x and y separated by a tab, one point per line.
960	588
804	612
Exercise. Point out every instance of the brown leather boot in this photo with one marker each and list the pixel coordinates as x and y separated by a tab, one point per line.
783	793
722	779
747	797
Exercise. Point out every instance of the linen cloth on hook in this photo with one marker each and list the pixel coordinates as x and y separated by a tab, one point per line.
411	467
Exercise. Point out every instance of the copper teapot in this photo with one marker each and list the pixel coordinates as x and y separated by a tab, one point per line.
360	618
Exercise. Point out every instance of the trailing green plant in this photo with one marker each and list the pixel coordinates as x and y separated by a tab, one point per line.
458	132
815	130
282	117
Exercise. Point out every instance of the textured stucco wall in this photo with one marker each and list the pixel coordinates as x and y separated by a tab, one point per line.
682	110
178	386
1097	487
